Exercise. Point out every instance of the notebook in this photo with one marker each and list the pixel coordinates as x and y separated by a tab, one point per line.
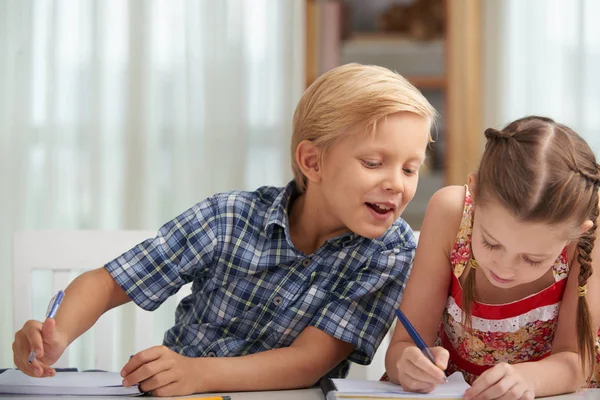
66	383
334	389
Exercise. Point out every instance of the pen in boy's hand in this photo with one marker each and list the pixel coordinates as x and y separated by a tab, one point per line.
414	335
50	313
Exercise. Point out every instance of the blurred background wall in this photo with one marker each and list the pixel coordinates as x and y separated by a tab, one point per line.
120	114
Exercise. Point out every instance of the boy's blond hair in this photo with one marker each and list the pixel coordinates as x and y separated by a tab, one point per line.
348	99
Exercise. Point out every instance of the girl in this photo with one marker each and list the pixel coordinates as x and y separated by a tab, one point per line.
510	300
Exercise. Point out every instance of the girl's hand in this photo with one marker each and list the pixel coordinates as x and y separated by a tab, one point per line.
501	381
417	374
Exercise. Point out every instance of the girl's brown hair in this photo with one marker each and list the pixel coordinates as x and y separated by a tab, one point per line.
544	172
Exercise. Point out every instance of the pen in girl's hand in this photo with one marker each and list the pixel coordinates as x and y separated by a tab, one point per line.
414	335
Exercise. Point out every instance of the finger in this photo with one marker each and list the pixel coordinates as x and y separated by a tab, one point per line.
441	357
157	381
141	358
424	364
49	372
485	381
147	371
20	346
48	329
419	374
34	338
40	334
40	368
506	389
411	384
527	395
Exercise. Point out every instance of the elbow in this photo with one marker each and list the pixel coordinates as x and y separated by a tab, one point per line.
308	376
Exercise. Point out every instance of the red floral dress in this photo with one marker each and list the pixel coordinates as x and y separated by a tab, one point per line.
515	332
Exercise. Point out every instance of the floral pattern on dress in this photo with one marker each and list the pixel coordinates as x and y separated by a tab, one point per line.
487	348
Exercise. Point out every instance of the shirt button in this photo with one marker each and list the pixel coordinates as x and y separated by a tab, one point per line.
277	301
306	262
212	354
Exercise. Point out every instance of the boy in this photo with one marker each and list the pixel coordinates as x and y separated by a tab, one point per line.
289	284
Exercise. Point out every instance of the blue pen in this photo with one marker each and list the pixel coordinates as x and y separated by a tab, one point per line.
50	313
414	335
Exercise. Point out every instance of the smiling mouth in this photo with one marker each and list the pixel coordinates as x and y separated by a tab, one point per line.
380	208
501	280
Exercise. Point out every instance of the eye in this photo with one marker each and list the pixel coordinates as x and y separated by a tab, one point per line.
532	263
371	164
488	245
410	171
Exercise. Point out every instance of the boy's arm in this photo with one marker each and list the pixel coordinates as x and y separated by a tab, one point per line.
86	299
163	372
302	364
351	324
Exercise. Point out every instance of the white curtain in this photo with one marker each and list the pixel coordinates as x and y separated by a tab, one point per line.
543	57
120	114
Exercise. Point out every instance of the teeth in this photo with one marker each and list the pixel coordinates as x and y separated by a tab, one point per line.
383	207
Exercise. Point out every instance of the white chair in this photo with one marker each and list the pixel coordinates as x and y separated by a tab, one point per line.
47	261
375	370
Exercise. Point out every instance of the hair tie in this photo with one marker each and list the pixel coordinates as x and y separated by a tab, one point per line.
581	290
491	133
593	179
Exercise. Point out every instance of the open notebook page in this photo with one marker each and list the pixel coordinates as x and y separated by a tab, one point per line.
454	388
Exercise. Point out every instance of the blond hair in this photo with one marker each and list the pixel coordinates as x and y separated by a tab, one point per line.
348	98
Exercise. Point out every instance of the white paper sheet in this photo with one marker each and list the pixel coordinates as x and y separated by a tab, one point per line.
454	388
66	383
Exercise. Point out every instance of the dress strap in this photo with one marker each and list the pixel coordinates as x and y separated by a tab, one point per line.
461	252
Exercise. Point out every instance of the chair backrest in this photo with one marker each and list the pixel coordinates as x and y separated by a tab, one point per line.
375	370
47	261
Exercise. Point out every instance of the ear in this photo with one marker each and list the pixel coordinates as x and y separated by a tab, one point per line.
308	157
471	183
585	226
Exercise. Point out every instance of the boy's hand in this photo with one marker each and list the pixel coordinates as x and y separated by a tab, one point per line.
500	381
45	341
163	372
417	374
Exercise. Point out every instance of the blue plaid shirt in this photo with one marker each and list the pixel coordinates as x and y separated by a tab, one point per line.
252	290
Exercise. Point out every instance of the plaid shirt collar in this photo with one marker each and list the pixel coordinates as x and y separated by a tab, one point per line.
277	214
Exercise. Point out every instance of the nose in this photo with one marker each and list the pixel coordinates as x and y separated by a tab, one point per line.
505	265
395	181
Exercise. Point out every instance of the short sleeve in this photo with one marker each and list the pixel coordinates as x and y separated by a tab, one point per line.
362	309
182	251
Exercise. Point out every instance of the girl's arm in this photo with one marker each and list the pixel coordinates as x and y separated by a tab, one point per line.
427	288
561	372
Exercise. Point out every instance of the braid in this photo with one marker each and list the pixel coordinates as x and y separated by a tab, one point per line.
585	335
593	179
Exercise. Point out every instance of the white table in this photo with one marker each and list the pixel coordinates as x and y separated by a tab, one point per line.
302	394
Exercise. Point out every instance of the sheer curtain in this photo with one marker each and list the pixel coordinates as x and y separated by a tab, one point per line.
121	114
543	57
